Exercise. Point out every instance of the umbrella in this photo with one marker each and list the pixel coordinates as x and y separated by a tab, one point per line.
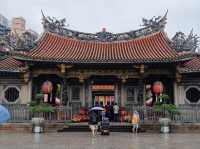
4	114
97	109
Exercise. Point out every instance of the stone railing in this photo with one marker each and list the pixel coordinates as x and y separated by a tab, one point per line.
185	114
21	113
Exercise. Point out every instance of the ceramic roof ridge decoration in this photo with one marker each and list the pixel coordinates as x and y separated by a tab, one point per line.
53	25
182	42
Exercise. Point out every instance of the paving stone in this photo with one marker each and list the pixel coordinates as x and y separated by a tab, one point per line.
84	140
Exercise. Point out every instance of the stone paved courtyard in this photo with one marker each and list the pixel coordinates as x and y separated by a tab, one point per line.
83	140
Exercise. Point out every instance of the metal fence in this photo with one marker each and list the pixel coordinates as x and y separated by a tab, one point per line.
21	113
185	114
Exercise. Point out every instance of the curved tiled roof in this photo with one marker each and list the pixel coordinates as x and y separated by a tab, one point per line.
10	64
192	65
151	48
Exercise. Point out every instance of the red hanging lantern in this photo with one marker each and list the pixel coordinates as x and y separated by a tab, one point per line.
47	87
158	87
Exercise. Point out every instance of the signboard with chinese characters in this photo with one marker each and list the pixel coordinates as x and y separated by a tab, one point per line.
103	87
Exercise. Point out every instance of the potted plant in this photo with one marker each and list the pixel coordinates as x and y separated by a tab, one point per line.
38	109
166	109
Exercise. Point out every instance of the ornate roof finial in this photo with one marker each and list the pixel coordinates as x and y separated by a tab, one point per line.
58	26
181	42
52	24
156	23
43	16
103	29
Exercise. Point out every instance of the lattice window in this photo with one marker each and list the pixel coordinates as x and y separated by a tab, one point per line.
192	94
131	94
11	94
75	93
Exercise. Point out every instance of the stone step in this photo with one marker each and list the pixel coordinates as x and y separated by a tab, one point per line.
85	128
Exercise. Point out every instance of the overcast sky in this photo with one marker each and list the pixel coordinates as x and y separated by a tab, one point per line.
115	15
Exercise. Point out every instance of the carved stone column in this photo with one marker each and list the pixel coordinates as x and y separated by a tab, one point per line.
63	70
123	95
141	85
64	92
141	91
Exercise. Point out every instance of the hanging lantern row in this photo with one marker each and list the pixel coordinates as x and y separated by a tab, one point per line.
47	87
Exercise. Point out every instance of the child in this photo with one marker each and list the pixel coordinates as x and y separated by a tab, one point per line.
135	121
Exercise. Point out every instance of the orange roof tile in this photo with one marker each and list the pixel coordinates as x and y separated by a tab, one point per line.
151	48
10	64
192	65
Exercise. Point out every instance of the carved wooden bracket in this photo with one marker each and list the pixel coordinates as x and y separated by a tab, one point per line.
63	67
82	76
178	77
124	76
26	77
142	68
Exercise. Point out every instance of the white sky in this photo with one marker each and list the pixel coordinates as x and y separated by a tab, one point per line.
115	15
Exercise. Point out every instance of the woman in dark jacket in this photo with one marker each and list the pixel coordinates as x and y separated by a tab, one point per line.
93	122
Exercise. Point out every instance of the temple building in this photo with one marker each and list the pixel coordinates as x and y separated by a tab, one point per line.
86	68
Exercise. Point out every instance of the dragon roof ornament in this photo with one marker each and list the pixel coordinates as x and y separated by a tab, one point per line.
181	42
149	26
156	23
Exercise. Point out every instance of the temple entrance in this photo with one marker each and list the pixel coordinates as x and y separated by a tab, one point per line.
103	94
104	90
102	98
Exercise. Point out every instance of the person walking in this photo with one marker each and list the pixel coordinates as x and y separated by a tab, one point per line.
108	110
93	122
116	112
135	121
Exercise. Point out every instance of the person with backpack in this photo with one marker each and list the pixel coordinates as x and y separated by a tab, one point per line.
93	122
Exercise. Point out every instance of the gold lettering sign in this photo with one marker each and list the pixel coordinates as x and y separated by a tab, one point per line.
103	87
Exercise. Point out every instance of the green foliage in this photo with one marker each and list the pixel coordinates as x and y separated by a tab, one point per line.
146	97
38	98
163	98
38	106
33	103
170	108
42	107
163	105
58	91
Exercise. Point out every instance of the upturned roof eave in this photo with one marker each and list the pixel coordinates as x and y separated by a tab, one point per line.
10	71
189	71
145	61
